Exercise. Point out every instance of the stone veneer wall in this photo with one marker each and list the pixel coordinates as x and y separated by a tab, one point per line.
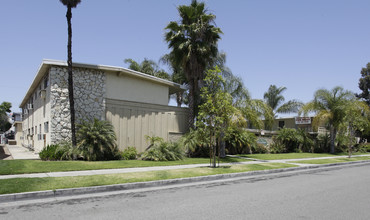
89	92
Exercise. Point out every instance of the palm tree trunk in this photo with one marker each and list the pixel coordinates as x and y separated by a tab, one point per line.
191	103
70	76
333	134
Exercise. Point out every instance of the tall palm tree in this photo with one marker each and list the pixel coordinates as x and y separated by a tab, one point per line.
177	76
330	107
193	41
275	100
71	4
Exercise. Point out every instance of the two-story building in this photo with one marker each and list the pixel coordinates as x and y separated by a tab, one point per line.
135	103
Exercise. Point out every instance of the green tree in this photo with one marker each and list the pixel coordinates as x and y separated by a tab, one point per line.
215	112
356	118
71	4
193	41
330	107
364	84
4	120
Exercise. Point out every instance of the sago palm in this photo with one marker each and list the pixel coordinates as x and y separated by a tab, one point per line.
97	140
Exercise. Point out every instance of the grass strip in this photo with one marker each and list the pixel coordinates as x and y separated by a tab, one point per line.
8	167
333	160
292	155
18	185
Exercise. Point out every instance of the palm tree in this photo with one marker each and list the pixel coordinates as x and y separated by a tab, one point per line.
330	108
193	41
71	4
97	140
275	100
149	67
177	76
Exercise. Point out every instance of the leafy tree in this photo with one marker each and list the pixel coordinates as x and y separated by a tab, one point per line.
4	120
330	107
193	41
71	4
149	67
356	119
364	84
97	140
275	100
216	112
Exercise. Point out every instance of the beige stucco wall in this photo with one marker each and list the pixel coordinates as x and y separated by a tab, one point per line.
35	119
132	121
289	123
122	87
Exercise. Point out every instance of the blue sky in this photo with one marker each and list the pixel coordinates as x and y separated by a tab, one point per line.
303	45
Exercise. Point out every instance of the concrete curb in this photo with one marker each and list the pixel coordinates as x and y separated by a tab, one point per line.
128	186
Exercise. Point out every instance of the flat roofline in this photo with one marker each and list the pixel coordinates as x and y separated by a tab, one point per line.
47	63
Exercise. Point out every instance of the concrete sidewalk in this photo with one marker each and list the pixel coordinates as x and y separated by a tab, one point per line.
21	153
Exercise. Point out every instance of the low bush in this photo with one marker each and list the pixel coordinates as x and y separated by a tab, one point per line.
51	152
129	153
260	149
241	141
322	143
276	147
164	151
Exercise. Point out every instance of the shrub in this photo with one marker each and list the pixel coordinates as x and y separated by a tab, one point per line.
290	138
129	153
69	152
97	140
276	147
241	141
51	152
260	149
164	151
195	143
322	144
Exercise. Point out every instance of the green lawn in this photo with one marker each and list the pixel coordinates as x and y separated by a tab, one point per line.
18	185
291	155
38	166
335	160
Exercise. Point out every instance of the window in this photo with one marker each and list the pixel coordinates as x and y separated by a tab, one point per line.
46	127
46	82
40	129
35	129
281	124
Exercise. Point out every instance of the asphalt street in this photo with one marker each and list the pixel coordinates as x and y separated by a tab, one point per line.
342	193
